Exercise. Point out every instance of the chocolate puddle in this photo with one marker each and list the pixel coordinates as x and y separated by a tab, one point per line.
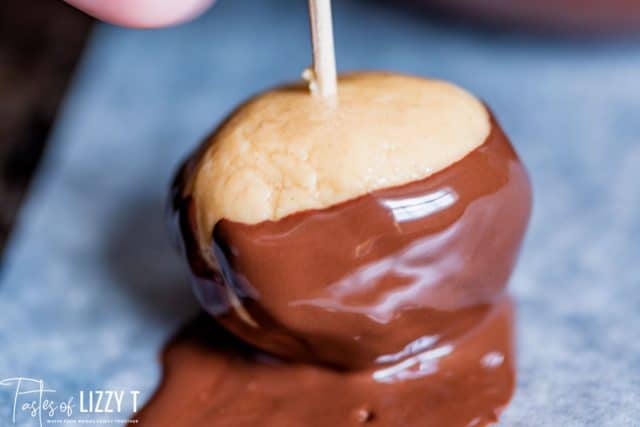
212	378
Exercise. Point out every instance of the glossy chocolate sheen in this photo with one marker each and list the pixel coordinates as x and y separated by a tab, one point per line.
370	280
212	379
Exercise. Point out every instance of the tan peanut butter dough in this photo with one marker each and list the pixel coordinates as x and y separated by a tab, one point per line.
286	151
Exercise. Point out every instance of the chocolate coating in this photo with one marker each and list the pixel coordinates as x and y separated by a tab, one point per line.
212	379
374	279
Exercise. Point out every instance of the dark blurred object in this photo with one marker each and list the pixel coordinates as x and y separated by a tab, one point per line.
40	42
586	17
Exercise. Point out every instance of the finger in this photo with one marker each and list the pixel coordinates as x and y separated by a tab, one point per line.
142	13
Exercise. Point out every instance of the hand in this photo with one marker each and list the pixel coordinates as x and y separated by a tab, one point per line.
143	13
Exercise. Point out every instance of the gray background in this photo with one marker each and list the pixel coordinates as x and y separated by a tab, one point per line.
91	288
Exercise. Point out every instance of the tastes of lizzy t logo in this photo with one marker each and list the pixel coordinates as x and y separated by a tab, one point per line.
33	402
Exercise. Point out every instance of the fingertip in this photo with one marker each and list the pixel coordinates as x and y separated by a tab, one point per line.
143	13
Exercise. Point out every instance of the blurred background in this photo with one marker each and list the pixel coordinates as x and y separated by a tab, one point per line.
94	120
40	44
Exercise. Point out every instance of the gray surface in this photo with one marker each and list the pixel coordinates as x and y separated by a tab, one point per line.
91	288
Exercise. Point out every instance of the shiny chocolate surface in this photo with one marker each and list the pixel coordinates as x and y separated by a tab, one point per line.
357	283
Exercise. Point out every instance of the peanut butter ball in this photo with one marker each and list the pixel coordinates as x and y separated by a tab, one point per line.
357	231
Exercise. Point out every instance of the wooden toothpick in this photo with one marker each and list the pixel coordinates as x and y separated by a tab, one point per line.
324	59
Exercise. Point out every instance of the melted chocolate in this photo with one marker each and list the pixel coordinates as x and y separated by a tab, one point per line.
211	378
355	284
387	309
